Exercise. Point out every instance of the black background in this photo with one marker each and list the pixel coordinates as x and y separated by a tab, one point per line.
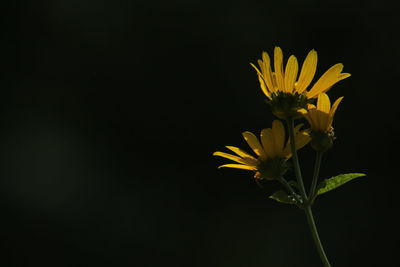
111	110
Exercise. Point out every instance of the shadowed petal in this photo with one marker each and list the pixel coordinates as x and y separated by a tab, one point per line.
268	142
279	136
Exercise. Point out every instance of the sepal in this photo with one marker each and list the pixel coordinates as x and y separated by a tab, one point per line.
282	197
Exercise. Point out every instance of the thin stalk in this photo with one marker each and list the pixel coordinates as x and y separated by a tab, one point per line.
315	236
291	191
307	206
317	165
290	123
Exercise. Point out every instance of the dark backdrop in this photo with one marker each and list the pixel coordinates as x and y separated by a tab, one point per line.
110	112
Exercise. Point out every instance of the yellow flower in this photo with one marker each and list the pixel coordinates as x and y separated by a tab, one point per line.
320	117
286	90
271	154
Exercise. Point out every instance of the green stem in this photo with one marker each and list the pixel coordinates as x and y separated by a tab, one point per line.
290	189
315	236
290	123
317	165
307	206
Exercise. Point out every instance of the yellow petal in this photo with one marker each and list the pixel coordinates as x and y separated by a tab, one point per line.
296	129
324	106
247	157
302	111
312	119
268	142
330	75
231	157
240	152
333	111
256	69
262	82
341	76
291	70
323	103
274	82
267	72
301	139
238	166
329	78
323	119
307	71
278	67
253	142
264	87
279	136
311	106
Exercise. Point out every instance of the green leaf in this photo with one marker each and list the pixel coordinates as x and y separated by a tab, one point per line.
282	197
334	182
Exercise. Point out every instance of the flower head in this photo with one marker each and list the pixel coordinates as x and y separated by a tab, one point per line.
287	92
320	118
271	154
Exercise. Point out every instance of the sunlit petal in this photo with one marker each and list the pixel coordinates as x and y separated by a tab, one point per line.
278	68
231	157
333	110
307	71
239	166
291	70
253	142
240	152
267	72
323	103
329	78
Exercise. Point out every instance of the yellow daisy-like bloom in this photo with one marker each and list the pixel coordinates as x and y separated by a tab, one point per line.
321	116
286	90
272	153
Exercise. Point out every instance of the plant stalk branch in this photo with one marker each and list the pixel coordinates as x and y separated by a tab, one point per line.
313	187
314	233
290	123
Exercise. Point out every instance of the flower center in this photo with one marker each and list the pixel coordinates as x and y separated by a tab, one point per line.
287	105
273	168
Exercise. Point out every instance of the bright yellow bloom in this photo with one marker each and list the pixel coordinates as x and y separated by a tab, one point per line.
271	153
286	90
320	117
286	81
